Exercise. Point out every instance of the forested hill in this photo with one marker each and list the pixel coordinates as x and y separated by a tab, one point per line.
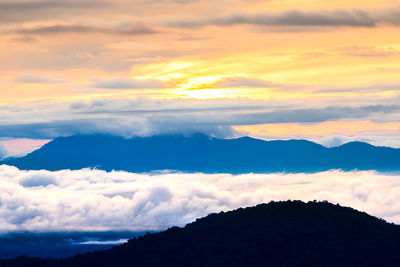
289	233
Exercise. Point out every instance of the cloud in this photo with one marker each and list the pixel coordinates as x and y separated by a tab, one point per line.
245	82
93	200
48	4
25	5
3	151
144	117
36	180
388	140
315	115
108	242
135	29
25	78
370	51
363	88
296	18
127	83
48	10
26	10
170	1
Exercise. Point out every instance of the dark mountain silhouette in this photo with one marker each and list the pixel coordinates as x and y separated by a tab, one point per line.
289	233
201	153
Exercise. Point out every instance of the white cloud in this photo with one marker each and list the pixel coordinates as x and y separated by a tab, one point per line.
96	200
97	242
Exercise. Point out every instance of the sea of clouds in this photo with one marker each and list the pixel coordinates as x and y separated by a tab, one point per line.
95	200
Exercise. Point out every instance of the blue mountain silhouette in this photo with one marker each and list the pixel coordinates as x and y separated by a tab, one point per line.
202	153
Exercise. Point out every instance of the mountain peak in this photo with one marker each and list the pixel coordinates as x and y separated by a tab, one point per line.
201	153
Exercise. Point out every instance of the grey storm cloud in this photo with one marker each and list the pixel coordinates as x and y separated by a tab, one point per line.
145	117
320	18
126	83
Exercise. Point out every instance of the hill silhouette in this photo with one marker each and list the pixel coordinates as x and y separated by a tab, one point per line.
289	233
201	153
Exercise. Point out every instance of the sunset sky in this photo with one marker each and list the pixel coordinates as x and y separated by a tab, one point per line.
327	71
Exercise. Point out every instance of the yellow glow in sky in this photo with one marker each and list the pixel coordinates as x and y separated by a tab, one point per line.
278	55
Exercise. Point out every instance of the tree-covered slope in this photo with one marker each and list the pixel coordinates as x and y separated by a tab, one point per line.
289	233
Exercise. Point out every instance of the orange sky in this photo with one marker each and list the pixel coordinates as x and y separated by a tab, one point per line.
283	56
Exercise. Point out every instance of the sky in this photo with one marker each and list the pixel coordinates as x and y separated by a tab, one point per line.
327	71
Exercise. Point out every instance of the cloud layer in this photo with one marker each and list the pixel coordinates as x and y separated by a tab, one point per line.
298	18
144	117
92	200
136	29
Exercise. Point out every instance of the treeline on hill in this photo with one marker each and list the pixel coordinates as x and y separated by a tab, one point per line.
289	233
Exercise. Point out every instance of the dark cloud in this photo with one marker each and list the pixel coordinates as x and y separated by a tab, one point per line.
315	115
42	10
7	6
126	83
322	18
18	11
136	29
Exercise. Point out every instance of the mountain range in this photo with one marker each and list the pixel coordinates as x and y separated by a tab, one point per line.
202	153
290	233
